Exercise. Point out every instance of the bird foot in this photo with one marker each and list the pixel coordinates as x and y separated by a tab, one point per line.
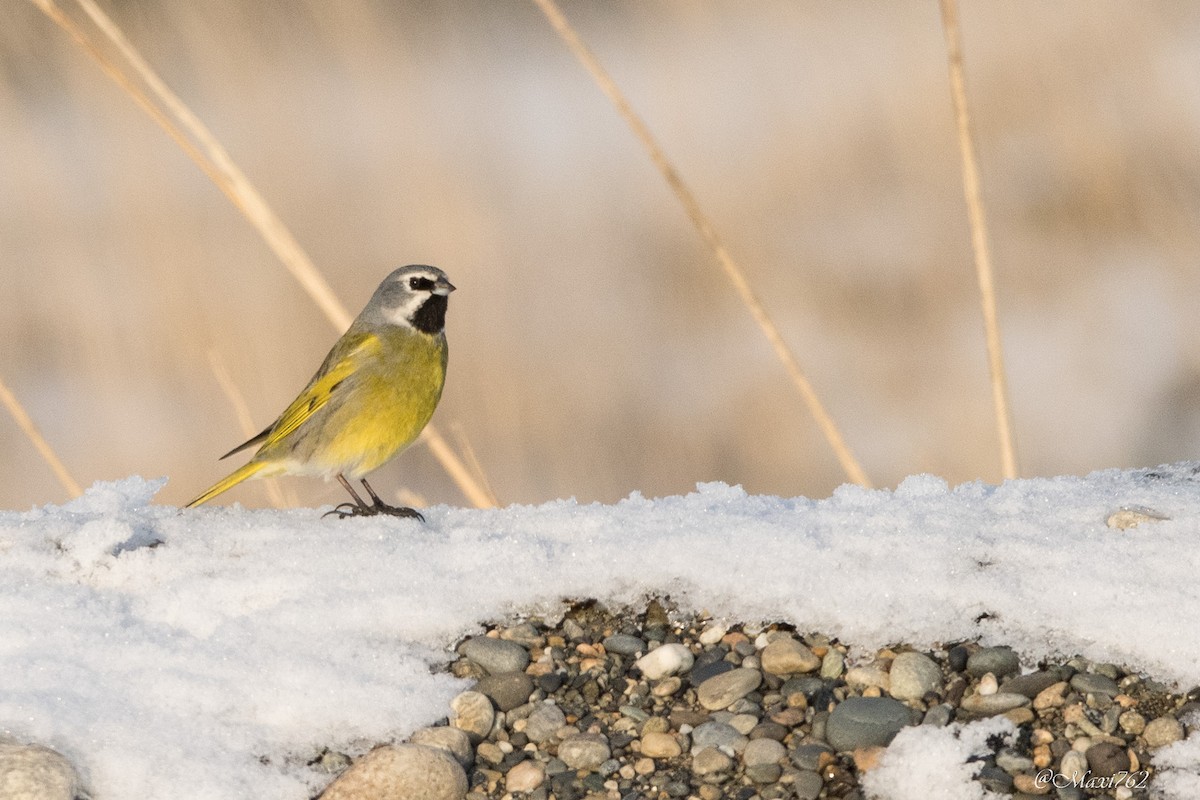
355	510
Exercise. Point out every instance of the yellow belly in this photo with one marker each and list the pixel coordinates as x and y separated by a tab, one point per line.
386	415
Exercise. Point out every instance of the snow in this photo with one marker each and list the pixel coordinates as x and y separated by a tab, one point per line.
212	653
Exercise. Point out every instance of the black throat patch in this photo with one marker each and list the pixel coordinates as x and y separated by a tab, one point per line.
431	316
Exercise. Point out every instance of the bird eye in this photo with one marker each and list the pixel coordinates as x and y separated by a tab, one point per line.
420	284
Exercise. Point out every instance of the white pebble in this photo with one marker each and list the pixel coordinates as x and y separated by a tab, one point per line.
665	660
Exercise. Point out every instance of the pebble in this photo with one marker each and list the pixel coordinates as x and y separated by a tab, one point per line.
1093	683
702	672
660	745
719	735
731	717
1000	661
988	705
833	664
867	676
401	772
914	675
1128	517
1161	732
525	777
584	750
1030	685
472	712
709	761
33	772
495	656
1107	759
810	756
507	689
787	656
1074	765
454	741
865	721
624	644
544	722
1052	696
666	660
763	751
721	691
807	785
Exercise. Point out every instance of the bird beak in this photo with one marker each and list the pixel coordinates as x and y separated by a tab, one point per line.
443	287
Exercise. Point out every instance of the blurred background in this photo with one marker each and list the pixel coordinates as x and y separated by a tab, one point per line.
596	348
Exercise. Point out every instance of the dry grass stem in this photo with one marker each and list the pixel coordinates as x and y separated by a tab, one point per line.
464	446
979	238
204	149
732	270
245	420
43	447
476	493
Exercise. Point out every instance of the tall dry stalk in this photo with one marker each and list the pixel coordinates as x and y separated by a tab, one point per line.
708	232
979	238
194	137
242	411
25	423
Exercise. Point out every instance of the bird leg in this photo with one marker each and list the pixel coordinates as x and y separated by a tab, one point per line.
360	509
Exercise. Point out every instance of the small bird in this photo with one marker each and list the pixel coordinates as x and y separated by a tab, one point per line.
372	396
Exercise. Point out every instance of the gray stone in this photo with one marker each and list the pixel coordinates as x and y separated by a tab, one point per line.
939	716
807	785
763	751
584	751
495	656
995	780
723	690
543	722
914	675
454	741
1094	683
33	772
866	722
1000	661
808	756
1030	685
507	689
718	734
401	772
786	656
764	773
472	712
623	644
807	685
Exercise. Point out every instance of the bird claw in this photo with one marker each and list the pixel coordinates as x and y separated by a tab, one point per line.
354	510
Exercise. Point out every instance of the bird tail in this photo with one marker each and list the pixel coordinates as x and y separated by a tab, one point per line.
249	471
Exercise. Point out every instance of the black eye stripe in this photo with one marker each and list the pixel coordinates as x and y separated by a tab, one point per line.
420	284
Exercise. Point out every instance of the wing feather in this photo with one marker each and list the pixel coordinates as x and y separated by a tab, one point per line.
339	365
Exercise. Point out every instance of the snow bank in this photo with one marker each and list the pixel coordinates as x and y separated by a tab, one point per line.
212	653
